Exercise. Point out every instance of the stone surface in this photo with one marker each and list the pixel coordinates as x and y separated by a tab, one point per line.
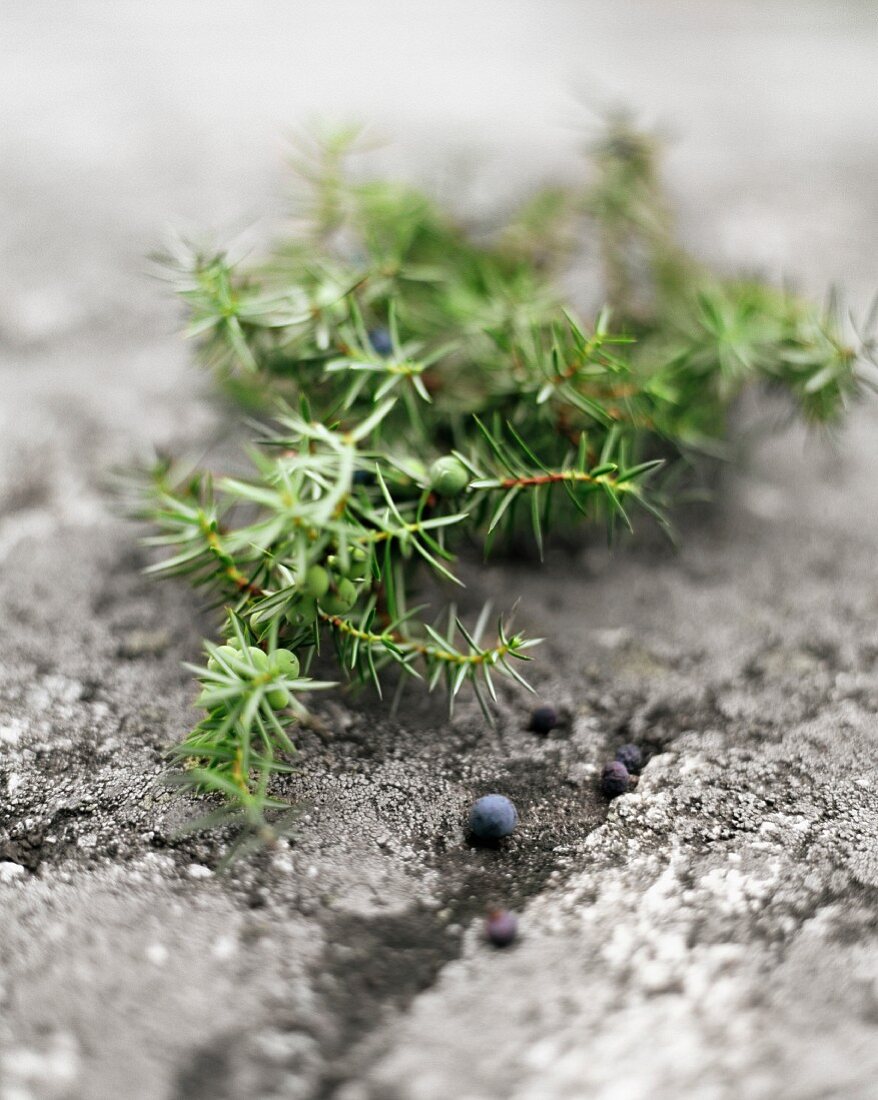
712	934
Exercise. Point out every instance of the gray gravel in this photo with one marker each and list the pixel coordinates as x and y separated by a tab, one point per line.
711	935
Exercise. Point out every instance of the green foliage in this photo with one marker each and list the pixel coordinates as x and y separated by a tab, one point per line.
425	386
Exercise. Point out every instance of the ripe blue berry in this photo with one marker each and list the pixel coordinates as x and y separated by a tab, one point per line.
380	340
501	927
631	757
491	817
614	779
543	719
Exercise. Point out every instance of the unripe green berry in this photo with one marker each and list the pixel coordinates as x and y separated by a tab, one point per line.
448	476
224	651
354	568
259	657
316	581
278	697
286	663
303	612
409	482
342	599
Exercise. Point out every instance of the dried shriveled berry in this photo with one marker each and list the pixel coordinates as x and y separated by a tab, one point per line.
631	757
491	817
544	719
614	779
501	927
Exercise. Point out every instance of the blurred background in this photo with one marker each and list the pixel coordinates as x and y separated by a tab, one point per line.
124	120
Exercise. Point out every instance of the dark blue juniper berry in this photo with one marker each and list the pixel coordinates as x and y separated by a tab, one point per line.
492	817
543	719
631	757
501	927
614	779
380	340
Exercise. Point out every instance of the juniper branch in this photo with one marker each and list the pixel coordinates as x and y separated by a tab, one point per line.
420	388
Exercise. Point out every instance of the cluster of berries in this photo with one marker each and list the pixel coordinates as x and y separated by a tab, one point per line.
620	775
258	663
333	587
494	816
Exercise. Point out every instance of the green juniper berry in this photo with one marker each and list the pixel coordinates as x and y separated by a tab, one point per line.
448	476
423	387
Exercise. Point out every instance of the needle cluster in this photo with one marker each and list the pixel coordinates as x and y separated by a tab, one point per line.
422	386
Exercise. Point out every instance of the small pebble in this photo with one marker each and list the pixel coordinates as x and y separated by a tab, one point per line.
614	779
501	927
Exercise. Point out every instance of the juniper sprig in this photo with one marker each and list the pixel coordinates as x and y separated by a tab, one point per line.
422	387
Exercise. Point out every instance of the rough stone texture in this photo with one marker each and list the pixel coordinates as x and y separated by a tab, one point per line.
712	934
